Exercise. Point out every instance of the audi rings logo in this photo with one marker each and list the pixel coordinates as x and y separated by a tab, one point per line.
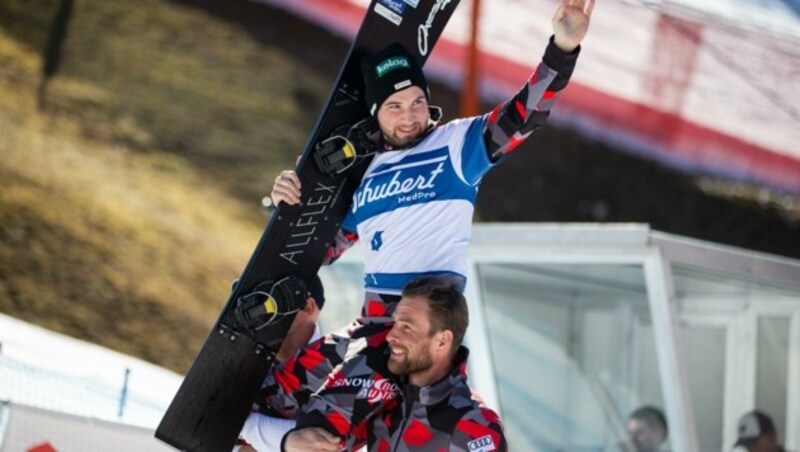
482	444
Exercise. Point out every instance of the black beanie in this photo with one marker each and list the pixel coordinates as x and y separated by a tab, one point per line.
316	290
389	71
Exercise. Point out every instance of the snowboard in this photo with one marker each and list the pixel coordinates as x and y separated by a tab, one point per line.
217	393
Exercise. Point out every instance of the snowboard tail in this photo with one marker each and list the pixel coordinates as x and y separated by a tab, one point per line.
207	412
211	405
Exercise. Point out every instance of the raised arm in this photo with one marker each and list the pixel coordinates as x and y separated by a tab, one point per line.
511	122
571	22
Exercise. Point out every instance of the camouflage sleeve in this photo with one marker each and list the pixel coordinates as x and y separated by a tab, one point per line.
354	392
511	122
341	243
480	430
289	385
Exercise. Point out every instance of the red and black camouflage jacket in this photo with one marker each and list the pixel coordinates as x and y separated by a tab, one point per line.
442	416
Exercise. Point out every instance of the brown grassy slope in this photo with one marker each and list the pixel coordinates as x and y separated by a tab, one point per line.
133	251
131	202
168	77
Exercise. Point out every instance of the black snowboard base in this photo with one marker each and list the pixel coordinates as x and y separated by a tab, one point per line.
224	384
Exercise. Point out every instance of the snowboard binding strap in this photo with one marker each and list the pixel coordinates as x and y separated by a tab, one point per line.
346	146
270	303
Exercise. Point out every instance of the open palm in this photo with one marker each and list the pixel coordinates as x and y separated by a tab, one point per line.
571	22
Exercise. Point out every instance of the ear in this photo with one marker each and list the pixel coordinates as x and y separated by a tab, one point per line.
444	340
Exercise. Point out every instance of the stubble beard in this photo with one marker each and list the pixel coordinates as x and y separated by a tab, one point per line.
409	365
398	142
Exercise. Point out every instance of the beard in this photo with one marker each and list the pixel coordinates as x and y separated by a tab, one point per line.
398	142
410	362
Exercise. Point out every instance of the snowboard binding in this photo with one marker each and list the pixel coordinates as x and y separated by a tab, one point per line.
346	146
269	304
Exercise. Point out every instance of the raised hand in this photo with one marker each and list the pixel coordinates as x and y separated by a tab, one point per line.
571	22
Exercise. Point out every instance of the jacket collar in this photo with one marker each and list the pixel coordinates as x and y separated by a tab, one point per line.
455	381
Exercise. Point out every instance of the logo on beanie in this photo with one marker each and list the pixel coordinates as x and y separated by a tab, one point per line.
391	64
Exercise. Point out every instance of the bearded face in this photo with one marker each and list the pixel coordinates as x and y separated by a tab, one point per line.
404	116
410	359
410	339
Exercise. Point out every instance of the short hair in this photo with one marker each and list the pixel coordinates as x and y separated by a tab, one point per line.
652	416
448	307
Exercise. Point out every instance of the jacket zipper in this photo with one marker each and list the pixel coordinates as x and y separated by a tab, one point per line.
408	408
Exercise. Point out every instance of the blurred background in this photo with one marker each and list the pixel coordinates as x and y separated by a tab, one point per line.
137	140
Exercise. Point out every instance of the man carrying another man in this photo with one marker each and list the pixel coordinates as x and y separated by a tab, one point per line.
435	410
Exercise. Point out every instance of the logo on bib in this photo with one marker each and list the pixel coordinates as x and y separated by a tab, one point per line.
417	183
377	241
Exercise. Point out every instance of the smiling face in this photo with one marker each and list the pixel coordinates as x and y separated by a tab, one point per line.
404	116
416	351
